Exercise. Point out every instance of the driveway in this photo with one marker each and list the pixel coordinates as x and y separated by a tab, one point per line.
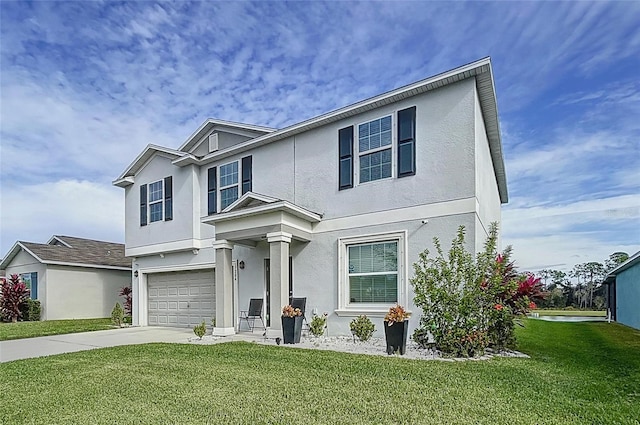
57	344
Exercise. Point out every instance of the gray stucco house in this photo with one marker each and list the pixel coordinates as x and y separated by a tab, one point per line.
335	208
623	292
74	278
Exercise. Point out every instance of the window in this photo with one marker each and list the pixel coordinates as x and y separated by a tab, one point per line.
378	149
156	201
372	273
31	280
228	184
374	148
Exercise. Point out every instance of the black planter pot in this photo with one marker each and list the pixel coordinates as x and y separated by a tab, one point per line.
396	336
291	329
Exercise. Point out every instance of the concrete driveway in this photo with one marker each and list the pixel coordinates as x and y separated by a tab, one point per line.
57	344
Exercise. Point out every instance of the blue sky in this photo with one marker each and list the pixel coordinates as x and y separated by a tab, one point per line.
86	85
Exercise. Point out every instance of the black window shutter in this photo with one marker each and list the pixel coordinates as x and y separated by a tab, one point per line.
143	205
247	163
345	170
211	191
407	142
168	198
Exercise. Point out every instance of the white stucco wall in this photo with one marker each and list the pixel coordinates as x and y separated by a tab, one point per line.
486	186
185	230
82	293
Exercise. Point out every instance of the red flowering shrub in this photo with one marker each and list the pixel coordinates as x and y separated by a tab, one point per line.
13	293
469	303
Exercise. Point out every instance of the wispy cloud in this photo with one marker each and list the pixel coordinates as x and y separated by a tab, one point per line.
85	85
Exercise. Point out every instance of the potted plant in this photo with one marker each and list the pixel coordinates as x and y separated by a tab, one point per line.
291	324
396	326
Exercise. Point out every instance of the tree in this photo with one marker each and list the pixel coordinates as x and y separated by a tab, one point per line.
13	294
125	292
590	276
615	260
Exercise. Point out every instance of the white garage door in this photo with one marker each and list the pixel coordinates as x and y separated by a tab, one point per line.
181	299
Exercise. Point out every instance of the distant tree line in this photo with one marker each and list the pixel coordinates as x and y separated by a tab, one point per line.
582	287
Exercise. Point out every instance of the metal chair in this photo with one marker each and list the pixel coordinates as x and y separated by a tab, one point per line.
254	312
300	303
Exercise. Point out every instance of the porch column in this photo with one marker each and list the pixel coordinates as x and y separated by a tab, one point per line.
224	289
279	278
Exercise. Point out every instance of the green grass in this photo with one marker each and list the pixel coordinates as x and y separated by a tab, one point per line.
579	373
51	327
586	313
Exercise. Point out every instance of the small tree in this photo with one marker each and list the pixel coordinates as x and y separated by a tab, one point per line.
125	292
13	294
117	315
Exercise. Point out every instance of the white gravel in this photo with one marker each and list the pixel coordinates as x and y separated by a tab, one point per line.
373	347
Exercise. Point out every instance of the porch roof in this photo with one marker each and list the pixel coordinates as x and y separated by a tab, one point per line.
249	219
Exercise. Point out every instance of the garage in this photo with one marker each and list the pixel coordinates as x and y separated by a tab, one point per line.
181	299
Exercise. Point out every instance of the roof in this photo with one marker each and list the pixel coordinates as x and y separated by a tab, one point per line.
480	70
72	251
631	261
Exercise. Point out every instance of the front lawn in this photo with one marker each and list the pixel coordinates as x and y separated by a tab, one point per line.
51	327
584	313
579	373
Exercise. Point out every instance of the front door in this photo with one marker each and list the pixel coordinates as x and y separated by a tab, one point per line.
267	280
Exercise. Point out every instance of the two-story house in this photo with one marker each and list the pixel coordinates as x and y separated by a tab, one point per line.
335	208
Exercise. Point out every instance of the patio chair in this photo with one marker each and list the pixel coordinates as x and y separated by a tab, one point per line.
300	303
254	312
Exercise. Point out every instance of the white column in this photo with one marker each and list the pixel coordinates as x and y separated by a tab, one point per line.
224	289
279	278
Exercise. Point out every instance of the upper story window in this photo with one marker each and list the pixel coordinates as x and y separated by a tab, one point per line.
380	147
228	184
225	181
374	149
156	201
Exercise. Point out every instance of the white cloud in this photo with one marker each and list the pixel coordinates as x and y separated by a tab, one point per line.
67	207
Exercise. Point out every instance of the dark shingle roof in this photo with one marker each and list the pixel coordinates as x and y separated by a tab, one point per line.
81	251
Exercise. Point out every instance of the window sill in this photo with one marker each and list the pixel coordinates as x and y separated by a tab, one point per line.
355	312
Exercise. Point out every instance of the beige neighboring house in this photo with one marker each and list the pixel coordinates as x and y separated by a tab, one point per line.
73	278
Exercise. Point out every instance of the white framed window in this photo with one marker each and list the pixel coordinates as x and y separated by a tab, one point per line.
372	273
155	201
228	184
375	149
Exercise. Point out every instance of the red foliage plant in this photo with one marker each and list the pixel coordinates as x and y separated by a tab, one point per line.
13	293
125	292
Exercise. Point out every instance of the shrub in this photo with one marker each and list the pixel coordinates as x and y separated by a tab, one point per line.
396	314
362	327
289	311
31	310
318	324
469	303
200	330
117	315
13	293
125	292
447	293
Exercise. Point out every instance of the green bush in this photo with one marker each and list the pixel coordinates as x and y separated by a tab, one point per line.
362	327
200	330
470	303
117	315
34	310
318	325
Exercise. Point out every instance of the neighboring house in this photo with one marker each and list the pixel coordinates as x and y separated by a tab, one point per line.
73	278
335	209
623	292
